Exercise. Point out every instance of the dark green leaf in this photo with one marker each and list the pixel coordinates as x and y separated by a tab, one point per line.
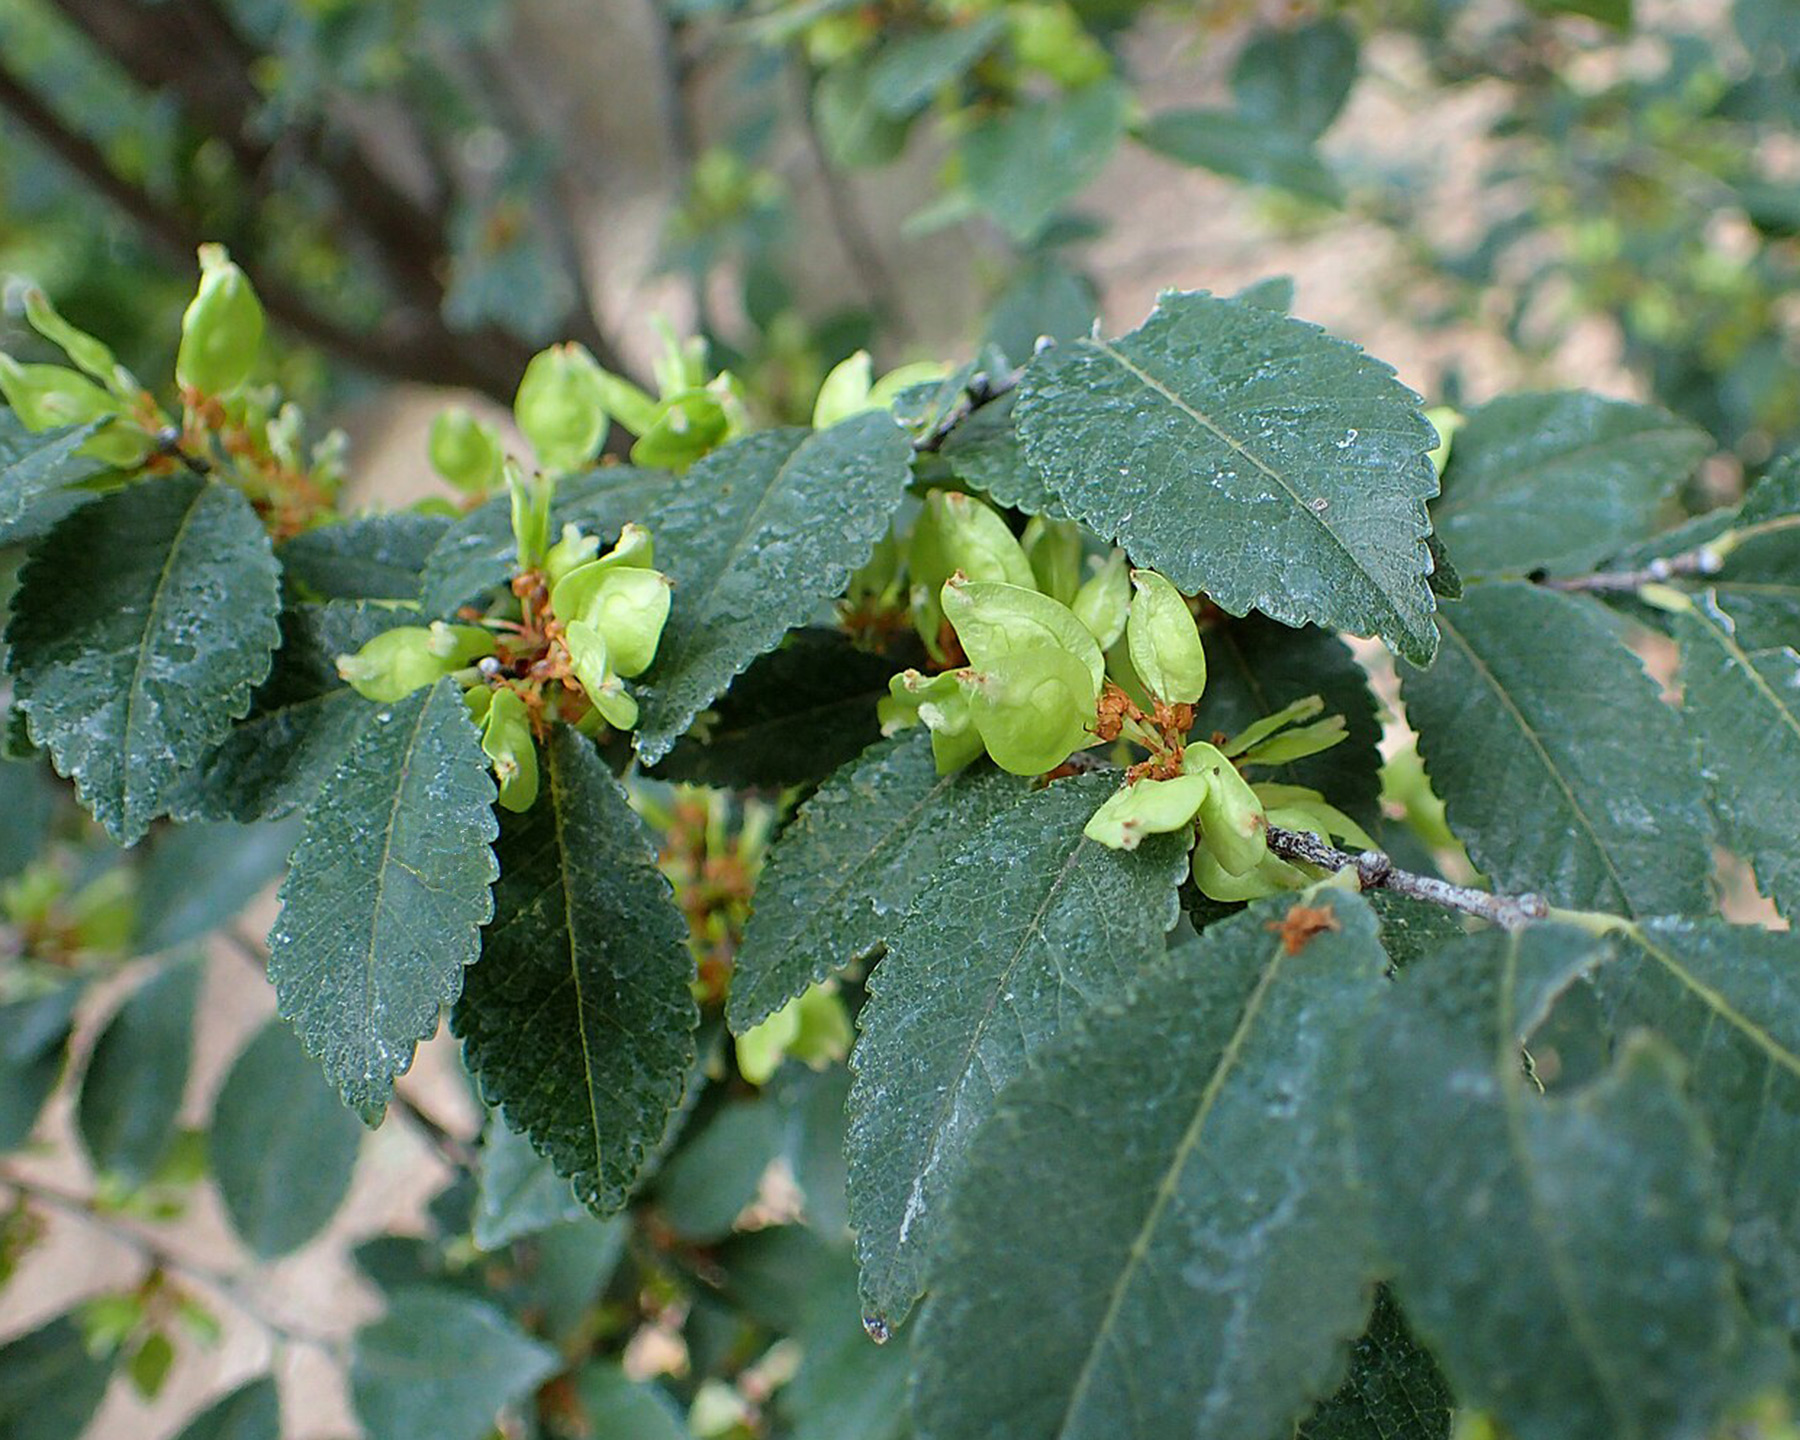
1558	764
1728	998
1616	13
1742	707
34	1047
816	1130
373	557
1022	926
388	890
909	71
985	451
1243	148
520	1192
440	1366
478	554
1249	456
845	1387
142	623
1296	80
578	1020
1023	162
754	537
1274	293
1563	1258
1160	1233
793	717
50	1386
856	132
131	1091
1045	297
251	1412
1394	1390
715	1173
624	1409
844	872
1256	666
283	1147
35	468
1560	481
197	877
302	721
27	799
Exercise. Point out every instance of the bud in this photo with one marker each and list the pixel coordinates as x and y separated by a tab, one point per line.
507	741
845	391
813	1028
685	428
592	666
627	605
1232	825
975	540
531	501
1164	641
1147	807
1446	420
399	661
682	364
1033	708
1054	549
1271	877
464	451
994	620
634	547
560	409
625	402
886	392
572	550
222	329
1104	601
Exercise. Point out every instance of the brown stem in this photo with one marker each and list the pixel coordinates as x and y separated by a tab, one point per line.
981	390
1703	560
1376	871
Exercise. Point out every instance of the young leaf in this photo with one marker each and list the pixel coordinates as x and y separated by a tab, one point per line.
1742	706
578	1020
1558	765
1394	1391
1023	925
1728	998
716	1173
907	73
34	1047
755	536
303	720
793	717
440	1366
848	867
617	1405
1250	456
282	1146
1159	1232
142	623
50	1386
35	468
519	1193
1559	481
131	1092
373	557
388	890
1563	1258
251	1412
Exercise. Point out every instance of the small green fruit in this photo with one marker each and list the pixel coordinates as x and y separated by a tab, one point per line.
592	664
572	550
1232	825
222	329
507	741
1054	549
993	620
1164	641
1033	708
561	409
627	605
464	451
1103	603
399	661
1148	807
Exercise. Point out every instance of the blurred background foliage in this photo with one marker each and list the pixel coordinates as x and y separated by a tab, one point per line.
427	191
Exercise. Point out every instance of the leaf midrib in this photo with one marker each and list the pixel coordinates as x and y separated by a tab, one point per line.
1213	427
1550	767
1165	1190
